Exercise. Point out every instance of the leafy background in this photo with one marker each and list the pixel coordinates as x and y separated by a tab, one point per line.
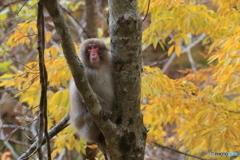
190	78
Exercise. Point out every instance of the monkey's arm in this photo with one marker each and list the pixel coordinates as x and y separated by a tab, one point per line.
105	111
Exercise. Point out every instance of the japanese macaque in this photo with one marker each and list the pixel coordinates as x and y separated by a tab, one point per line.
97	62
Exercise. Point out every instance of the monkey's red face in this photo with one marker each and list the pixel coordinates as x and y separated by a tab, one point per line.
93	51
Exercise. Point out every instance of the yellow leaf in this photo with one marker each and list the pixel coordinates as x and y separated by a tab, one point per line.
77	48
34	26
170	50
99	32
8	83
212	58
68	145
163	37
53	51
92	146
155	42
212	115
212	46
78	147
6	76
178	50
71	139
48	36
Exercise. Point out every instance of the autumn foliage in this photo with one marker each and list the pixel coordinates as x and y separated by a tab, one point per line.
203	105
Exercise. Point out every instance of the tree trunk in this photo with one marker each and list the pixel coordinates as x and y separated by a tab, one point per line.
126	35
91	18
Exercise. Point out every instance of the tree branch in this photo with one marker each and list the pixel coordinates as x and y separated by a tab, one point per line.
43	81
91	19
9	4
52	132
74	20
184	49
172	149
6	143
76	67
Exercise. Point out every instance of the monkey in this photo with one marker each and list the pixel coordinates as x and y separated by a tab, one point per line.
97	67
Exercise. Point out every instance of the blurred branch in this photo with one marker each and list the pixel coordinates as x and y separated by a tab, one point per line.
190	58
15	141
6	143
62	154
158	62
22	7
9	4
74	20
51	133
91	18
184	49
14	127
186	154
200	2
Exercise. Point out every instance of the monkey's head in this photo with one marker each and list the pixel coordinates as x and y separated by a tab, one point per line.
94	53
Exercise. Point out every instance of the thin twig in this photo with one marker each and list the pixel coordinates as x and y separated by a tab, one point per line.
147	11
20	63
32	81
157	62
9	4
22	7
69	13
6	143
52	132
24	37
15	141
14	126
186	154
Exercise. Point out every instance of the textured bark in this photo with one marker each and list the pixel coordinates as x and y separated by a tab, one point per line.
91	18
126	35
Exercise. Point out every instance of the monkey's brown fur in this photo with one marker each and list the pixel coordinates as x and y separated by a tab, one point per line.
99	75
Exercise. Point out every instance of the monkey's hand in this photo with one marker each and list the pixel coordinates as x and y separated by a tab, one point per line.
105	111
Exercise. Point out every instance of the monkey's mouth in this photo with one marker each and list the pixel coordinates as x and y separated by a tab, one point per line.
94	60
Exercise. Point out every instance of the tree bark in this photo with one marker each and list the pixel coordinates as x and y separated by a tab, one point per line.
91	18
126	35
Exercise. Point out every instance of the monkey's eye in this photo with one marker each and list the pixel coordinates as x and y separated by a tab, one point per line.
91	47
